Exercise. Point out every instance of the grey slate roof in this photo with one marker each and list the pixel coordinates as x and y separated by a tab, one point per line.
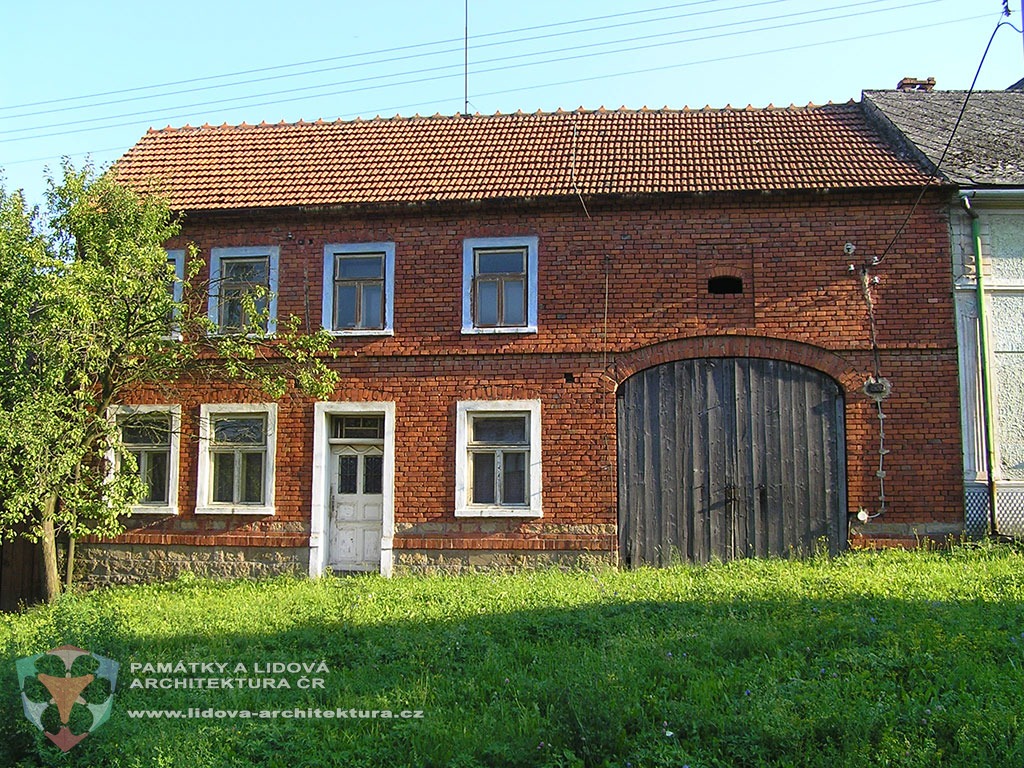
988	149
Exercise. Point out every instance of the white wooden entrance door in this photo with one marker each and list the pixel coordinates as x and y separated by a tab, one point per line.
357	507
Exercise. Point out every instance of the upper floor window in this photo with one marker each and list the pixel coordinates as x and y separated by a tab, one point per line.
499	285
359	288
150	435
175	263
243	289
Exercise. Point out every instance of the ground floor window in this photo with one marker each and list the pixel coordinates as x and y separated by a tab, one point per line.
150	438
498	463
237	447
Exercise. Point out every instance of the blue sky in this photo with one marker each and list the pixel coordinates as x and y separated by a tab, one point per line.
78	77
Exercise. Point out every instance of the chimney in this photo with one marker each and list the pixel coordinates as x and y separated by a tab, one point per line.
913	84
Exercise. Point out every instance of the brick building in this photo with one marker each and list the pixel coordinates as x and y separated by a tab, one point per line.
614	336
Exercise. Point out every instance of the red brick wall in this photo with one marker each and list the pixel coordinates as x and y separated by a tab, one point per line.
800	303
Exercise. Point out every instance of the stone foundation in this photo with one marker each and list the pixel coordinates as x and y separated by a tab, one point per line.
454	561
906	535
103	564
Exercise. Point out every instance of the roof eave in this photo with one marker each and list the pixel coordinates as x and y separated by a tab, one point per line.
541	201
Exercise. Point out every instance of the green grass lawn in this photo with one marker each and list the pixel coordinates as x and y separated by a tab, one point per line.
887	659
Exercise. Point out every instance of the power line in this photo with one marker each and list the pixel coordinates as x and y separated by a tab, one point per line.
608	76
866	282
715	60
503	60
391	60
368	53
945	150
432	69
119	148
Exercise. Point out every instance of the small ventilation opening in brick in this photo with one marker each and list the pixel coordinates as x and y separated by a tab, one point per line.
725	284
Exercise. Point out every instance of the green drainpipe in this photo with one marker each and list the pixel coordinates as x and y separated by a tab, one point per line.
986	380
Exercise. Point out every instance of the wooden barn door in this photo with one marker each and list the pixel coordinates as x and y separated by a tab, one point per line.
721	458
21	574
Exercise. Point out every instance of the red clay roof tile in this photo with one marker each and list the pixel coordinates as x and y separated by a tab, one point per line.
536	155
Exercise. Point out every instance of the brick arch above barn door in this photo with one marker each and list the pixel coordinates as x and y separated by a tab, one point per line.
766	347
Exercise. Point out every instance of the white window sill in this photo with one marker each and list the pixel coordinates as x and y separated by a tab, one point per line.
236	509
516	329
361	332
154	509
219	335
498	512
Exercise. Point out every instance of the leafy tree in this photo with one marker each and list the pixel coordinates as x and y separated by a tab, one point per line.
88	312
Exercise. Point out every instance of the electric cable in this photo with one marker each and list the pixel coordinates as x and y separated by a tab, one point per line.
504	59
866	281
504	67
559	83
945	150
514	41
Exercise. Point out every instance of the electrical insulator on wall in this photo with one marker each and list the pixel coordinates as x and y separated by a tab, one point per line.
877	389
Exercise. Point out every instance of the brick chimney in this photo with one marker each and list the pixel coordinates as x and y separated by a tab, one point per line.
913	84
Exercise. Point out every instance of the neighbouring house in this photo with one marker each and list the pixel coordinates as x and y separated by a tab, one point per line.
985	160
572	338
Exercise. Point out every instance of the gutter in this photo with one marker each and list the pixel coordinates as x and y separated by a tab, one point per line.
996	196
984	365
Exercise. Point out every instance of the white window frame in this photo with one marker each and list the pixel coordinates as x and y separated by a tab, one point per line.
332	250
469	248
465	410
217	255
118	412
177	258
204	472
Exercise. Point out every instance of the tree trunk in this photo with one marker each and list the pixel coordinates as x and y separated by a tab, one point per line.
51	578
69	572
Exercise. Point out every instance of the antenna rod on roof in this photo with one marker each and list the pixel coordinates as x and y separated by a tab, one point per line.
465	66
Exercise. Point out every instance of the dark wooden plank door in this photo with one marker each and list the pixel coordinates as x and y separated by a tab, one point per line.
722	458
21	580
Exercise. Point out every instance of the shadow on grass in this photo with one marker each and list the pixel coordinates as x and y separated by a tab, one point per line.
623	681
